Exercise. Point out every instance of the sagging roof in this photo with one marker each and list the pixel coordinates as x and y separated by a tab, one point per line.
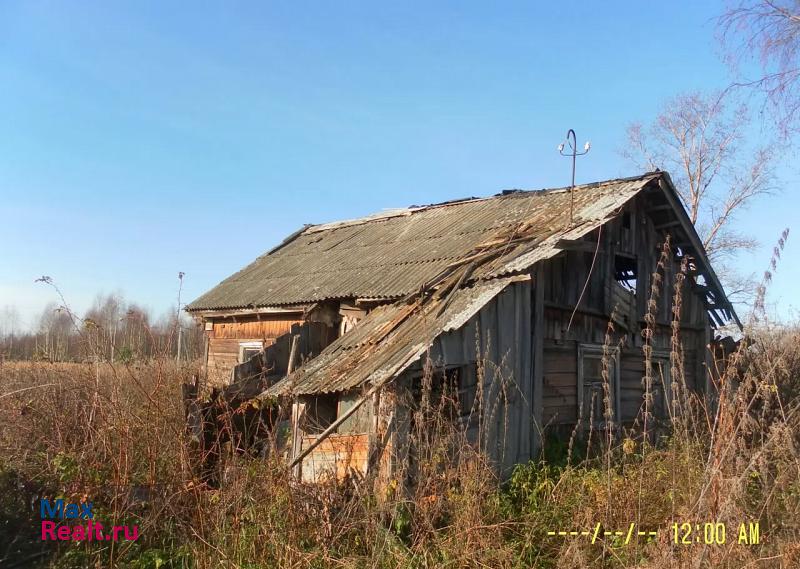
388	340
393	254
462	274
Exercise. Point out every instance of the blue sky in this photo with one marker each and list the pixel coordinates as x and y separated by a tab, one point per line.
142	139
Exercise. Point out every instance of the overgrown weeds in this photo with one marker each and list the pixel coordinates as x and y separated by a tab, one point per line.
116	435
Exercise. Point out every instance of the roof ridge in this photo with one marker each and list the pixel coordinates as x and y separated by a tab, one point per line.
371	261
513	193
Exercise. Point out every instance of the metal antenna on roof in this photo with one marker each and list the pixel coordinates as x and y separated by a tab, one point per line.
573	146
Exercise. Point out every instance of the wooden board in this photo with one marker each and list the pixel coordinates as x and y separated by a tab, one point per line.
335	457
225	337
270	326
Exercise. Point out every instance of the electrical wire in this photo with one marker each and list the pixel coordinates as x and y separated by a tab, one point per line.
588	278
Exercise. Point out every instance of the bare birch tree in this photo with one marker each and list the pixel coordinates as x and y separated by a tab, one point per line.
701	141
767	33
9	327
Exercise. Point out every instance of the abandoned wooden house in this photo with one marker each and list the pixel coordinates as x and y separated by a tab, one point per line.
513	290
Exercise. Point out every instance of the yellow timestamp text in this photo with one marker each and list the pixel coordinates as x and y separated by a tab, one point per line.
715	533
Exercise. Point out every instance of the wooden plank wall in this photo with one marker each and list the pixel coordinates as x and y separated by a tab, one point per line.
564	278
503	338
224	338
560	394
313	337
348	451
499	340
335	457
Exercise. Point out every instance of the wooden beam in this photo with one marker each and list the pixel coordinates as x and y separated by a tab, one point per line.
292	354
537	333
671	194
221	314
298	458
297	406
668	224
576	245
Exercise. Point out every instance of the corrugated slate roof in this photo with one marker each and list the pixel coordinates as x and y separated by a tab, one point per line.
526	228
393	254
387	341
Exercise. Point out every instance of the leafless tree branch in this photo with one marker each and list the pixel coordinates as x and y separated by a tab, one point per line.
767	32
700	139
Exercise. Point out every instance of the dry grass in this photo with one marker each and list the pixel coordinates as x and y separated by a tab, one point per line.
116	434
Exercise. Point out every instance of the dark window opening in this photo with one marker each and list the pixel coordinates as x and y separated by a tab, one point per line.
248	349
248	353
626	220
625	271
464	380
321	412
661	387
452	391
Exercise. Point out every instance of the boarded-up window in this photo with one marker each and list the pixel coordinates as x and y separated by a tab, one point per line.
359	421
593	400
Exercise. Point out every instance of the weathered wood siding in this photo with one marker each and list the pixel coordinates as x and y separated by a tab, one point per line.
560	390
226	336
335	457
632	235
272	363
497	345
347	451
524	348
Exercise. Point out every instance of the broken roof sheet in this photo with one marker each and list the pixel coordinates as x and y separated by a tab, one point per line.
392	254
387	341
466	253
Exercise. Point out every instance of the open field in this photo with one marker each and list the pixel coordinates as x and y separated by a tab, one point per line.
115	435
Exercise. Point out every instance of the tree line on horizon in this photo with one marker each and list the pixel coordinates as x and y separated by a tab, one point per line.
113	329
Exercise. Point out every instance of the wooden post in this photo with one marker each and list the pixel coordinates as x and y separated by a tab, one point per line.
292	354
204	370
297	412
537	334
297	409
373	435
